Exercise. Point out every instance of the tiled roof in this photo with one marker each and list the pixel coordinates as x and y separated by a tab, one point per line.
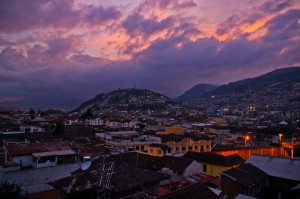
176	163
246	175
215	159
198	190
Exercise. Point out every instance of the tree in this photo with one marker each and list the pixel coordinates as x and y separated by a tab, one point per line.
88	114
58	128
10	190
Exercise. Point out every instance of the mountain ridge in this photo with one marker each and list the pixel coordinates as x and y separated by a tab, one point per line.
195	92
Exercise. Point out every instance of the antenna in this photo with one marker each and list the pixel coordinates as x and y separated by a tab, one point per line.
86	165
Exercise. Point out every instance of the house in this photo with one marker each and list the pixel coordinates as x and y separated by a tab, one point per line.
155	149
181	166
264	177
214	164
32	128
125	180
128	140
42	154
94	121
284	174
245	179
181	144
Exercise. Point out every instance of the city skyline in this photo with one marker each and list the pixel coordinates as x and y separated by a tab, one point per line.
60	53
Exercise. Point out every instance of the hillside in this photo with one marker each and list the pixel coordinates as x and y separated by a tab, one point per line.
279	89
282	78
126	99
196	92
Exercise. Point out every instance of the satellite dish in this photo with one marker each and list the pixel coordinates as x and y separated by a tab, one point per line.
86	165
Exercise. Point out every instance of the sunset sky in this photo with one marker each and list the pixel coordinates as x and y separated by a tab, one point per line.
59	53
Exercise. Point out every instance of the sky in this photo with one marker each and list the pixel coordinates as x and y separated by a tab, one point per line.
60	53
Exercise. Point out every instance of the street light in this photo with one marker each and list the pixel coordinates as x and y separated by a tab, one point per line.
280	135
245	139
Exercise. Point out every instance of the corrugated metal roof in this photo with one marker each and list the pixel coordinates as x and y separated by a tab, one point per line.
277	167
53	153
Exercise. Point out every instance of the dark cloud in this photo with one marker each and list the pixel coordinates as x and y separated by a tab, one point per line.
100	15
283	27
274	6
136	25
32	14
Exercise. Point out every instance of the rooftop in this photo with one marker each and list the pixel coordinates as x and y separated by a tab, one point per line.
276	166
215	159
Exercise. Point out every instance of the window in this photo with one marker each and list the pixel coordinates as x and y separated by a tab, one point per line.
204	168
196	147
183	148
159	151
177	148
201	148
190	148
151	150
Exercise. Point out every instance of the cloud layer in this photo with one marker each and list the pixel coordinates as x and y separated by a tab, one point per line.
61	53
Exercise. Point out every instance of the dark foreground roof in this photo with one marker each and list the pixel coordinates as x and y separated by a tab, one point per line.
216	159
246	175
198	190
125	177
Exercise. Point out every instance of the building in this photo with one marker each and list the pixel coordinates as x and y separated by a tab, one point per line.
128	140
214	164
158	149
42	154
181	144
284	174
264	177
245	179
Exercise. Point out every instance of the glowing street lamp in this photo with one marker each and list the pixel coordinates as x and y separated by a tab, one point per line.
245	139
280	135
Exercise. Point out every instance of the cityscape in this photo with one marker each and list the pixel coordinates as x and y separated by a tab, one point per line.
149	99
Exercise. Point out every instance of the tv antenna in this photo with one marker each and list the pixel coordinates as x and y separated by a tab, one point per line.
105	171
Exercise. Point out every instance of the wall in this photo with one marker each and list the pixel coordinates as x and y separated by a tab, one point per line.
154	151
25	161
275	151
214	170
227	185
194	168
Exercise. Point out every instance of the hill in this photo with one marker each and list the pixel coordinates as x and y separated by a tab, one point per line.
279	89
196	92
282	78
126	99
